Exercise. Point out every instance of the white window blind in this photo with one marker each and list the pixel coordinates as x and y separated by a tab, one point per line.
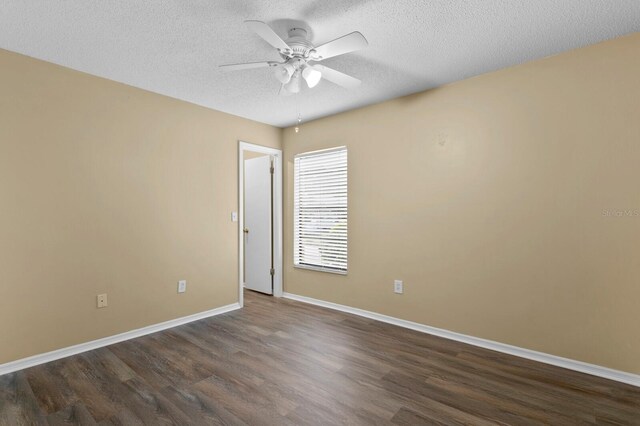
320	210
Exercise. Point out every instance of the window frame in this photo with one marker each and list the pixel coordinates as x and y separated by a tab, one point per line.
296	243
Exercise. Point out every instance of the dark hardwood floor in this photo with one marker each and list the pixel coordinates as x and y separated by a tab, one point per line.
279	362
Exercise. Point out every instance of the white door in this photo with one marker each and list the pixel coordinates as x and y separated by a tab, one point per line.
257	224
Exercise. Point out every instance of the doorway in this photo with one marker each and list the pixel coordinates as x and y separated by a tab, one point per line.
260	219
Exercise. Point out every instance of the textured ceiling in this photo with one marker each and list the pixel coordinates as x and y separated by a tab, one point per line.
174	47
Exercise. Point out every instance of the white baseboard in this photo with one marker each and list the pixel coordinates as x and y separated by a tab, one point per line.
32	361
583	367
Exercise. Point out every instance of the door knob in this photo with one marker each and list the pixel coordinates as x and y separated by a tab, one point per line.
245	230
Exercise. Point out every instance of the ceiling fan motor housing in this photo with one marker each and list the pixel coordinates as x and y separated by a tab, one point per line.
300	46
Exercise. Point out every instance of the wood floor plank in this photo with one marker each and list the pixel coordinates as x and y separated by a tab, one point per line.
50	386
407	417
76	414
18	404
152	407
83	379
145	360
242	399
202	409
280	362
124	417
104	359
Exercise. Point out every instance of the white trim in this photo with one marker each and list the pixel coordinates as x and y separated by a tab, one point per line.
321	269
32	361
320	151
582	367
277	216
314	165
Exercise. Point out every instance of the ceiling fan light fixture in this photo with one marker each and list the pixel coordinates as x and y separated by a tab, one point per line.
296	54
293	86
284	72
311	76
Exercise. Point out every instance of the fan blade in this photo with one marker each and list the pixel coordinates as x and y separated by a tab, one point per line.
248	66
265	31
340	46
337	77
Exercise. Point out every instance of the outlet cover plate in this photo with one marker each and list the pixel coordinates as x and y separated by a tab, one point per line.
102	300
182	286
398	287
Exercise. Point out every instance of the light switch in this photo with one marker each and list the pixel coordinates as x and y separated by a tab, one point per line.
234	216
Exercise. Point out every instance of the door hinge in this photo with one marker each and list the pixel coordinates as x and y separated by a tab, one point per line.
271	170
272	271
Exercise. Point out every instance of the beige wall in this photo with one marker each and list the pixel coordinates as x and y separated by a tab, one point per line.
108	188
487	196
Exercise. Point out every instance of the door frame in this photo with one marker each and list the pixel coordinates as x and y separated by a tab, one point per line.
277	215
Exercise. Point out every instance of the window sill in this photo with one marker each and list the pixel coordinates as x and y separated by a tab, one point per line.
321	269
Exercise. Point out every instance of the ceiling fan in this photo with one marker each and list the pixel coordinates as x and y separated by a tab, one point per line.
299	57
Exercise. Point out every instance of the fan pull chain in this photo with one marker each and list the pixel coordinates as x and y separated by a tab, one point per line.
297	129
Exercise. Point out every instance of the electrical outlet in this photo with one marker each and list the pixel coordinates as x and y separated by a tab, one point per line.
182	286
398	287
102	300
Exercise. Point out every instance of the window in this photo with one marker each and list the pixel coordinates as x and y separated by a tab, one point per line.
320	210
